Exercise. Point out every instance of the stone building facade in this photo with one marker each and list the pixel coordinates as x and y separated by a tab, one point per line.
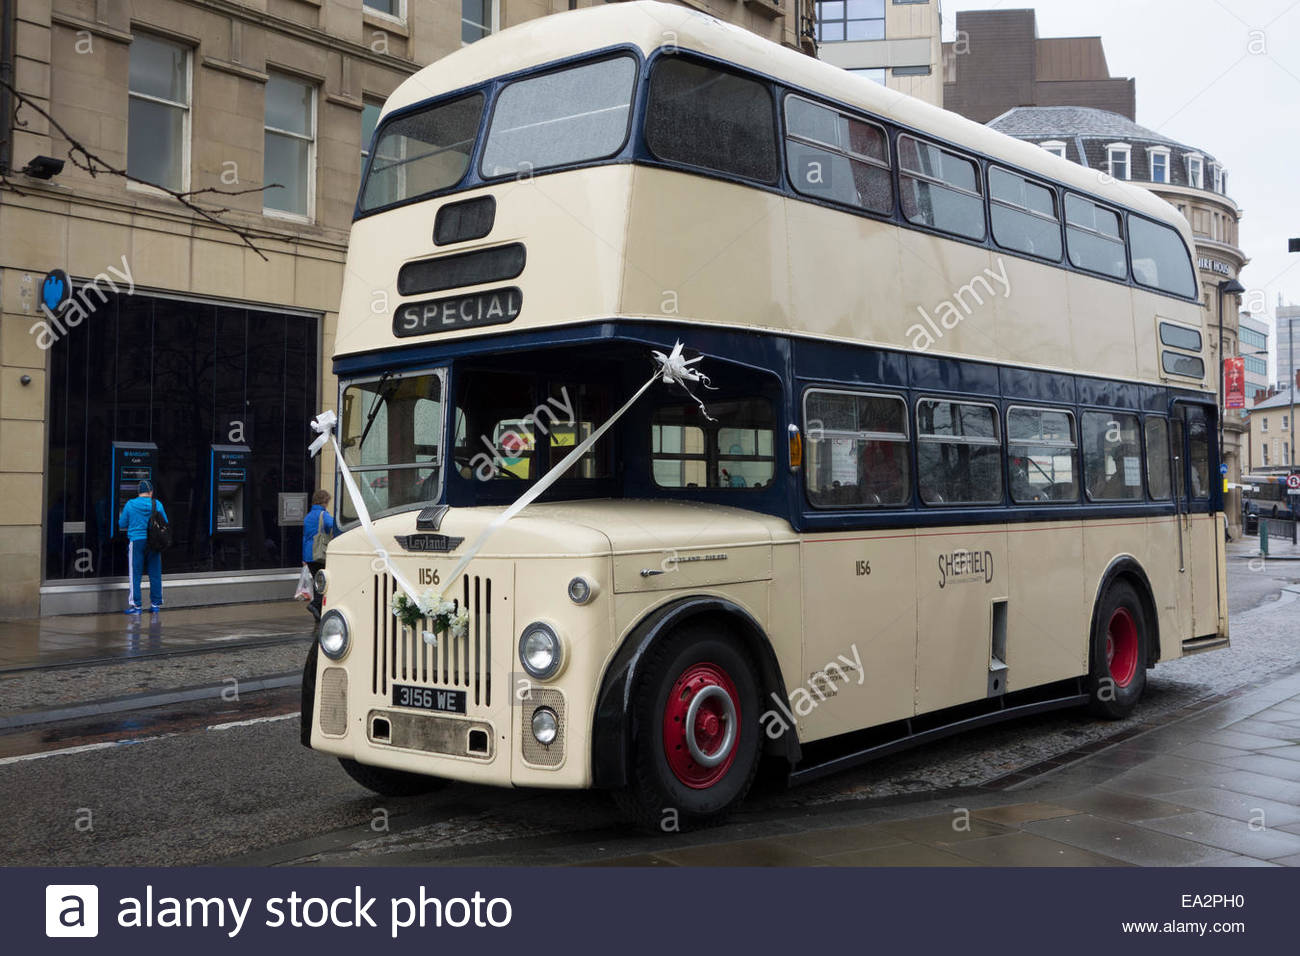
894	42
189	354
998	62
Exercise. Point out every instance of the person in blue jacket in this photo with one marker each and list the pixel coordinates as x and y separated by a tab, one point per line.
317	520
134	520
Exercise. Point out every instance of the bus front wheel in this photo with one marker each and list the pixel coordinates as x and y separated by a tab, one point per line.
389	783
1118	672
695	746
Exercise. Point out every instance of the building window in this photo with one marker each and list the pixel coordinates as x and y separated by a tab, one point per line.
478	18
369	120
1055	147
1196	171
1223	182
1264	449
290	145
1118	157
1159	162
389	8
1263	424
911	70
874	74
1286	422
158	135
1216	174
839	20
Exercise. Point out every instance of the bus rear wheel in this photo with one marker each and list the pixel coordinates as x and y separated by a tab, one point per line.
389	783
1118	673
695	746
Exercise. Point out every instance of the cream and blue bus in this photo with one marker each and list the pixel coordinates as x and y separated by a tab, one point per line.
955	462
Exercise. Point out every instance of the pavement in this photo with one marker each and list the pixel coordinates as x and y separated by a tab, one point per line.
1216	787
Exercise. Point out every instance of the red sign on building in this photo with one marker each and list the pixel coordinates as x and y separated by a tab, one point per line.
1234	382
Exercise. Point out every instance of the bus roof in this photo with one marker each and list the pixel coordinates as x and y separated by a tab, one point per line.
650	25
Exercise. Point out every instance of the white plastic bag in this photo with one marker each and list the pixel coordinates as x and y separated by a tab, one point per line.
304	592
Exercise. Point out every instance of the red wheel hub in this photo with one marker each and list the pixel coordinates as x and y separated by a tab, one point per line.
702	725
1122	647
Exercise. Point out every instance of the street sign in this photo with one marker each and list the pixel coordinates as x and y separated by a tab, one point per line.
1293	481
1223	469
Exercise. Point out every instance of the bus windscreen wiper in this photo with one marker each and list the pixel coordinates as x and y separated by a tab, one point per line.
379	403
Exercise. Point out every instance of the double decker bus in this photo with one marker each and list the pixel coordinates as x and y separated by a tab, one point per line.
955	462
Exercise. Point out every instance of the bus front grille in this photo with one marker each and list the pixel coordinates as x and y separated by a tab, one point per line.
401	655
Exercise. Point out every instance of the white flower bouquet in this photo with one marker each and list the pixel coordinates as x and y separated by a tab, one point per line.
443	616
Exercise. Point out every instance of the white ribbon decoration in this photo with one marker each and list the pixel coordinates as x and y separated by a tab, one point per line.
674	368
324	424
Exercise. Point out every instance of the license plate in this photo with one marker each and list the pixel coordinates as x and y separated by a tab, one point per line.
429	698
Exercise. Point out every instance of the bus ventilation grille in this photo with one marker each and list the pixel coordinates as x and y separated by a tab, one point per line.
334	701
400	655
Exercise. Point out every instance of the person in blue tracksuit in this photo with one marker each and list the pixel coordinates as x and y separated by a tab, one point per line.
317	520
134	520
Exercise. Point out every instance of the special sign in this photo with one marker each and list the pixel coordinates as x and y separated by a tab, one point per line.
458	312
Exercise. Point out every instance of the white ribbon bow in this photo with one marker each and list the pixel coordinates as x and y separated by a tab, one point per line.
675	369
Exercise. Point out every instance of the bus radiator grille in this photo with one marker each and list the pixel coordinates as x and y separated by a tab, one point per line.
401	655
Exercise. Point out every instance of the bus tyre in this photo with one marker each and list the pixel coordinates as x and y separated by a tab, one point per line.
695	739
390	783
1118	673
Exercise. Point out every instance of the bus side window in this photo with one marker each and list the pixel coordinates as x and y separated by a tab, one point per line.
1112	456
1041	455
857	454
1157	435
1198	450
959	453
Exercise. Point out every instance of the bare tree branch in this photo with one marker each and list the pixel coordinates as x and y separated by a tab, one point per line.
92	163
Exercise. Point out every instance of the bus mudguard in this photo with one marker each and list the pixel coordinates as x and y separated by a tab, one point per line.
1127	566
612	729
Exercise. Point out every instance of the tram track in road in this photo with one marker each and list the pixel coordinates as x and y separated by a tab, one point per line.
140	725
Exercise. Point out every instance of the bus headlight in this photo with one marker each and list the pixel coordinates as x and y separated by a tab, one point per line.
320	581
539	651
333	635
545	726
581	590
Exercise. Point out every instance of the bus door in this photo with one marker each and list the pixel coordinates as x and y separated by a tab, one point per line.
1200	529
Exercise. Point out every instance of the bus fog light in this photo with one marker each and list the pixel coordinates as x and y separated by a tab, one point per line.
333	635
581	590
539	651
546	726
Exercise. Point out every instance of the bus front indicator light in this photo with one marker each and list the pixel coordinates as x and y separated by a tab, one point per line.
581	591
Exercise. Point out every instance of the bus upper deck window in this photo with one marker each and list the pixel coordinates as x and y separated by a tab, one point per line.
702	116
422	152
568	116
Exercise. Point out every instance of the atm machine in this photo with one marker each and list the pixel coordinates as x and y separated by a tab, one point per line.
229	479
133	462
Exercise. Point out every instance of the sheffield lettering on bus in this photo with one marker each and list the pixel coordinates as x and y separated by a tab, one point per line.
965	565
458	312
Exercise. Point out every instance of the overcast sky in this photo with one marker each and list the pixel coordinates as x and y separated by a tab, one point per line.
1200	82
